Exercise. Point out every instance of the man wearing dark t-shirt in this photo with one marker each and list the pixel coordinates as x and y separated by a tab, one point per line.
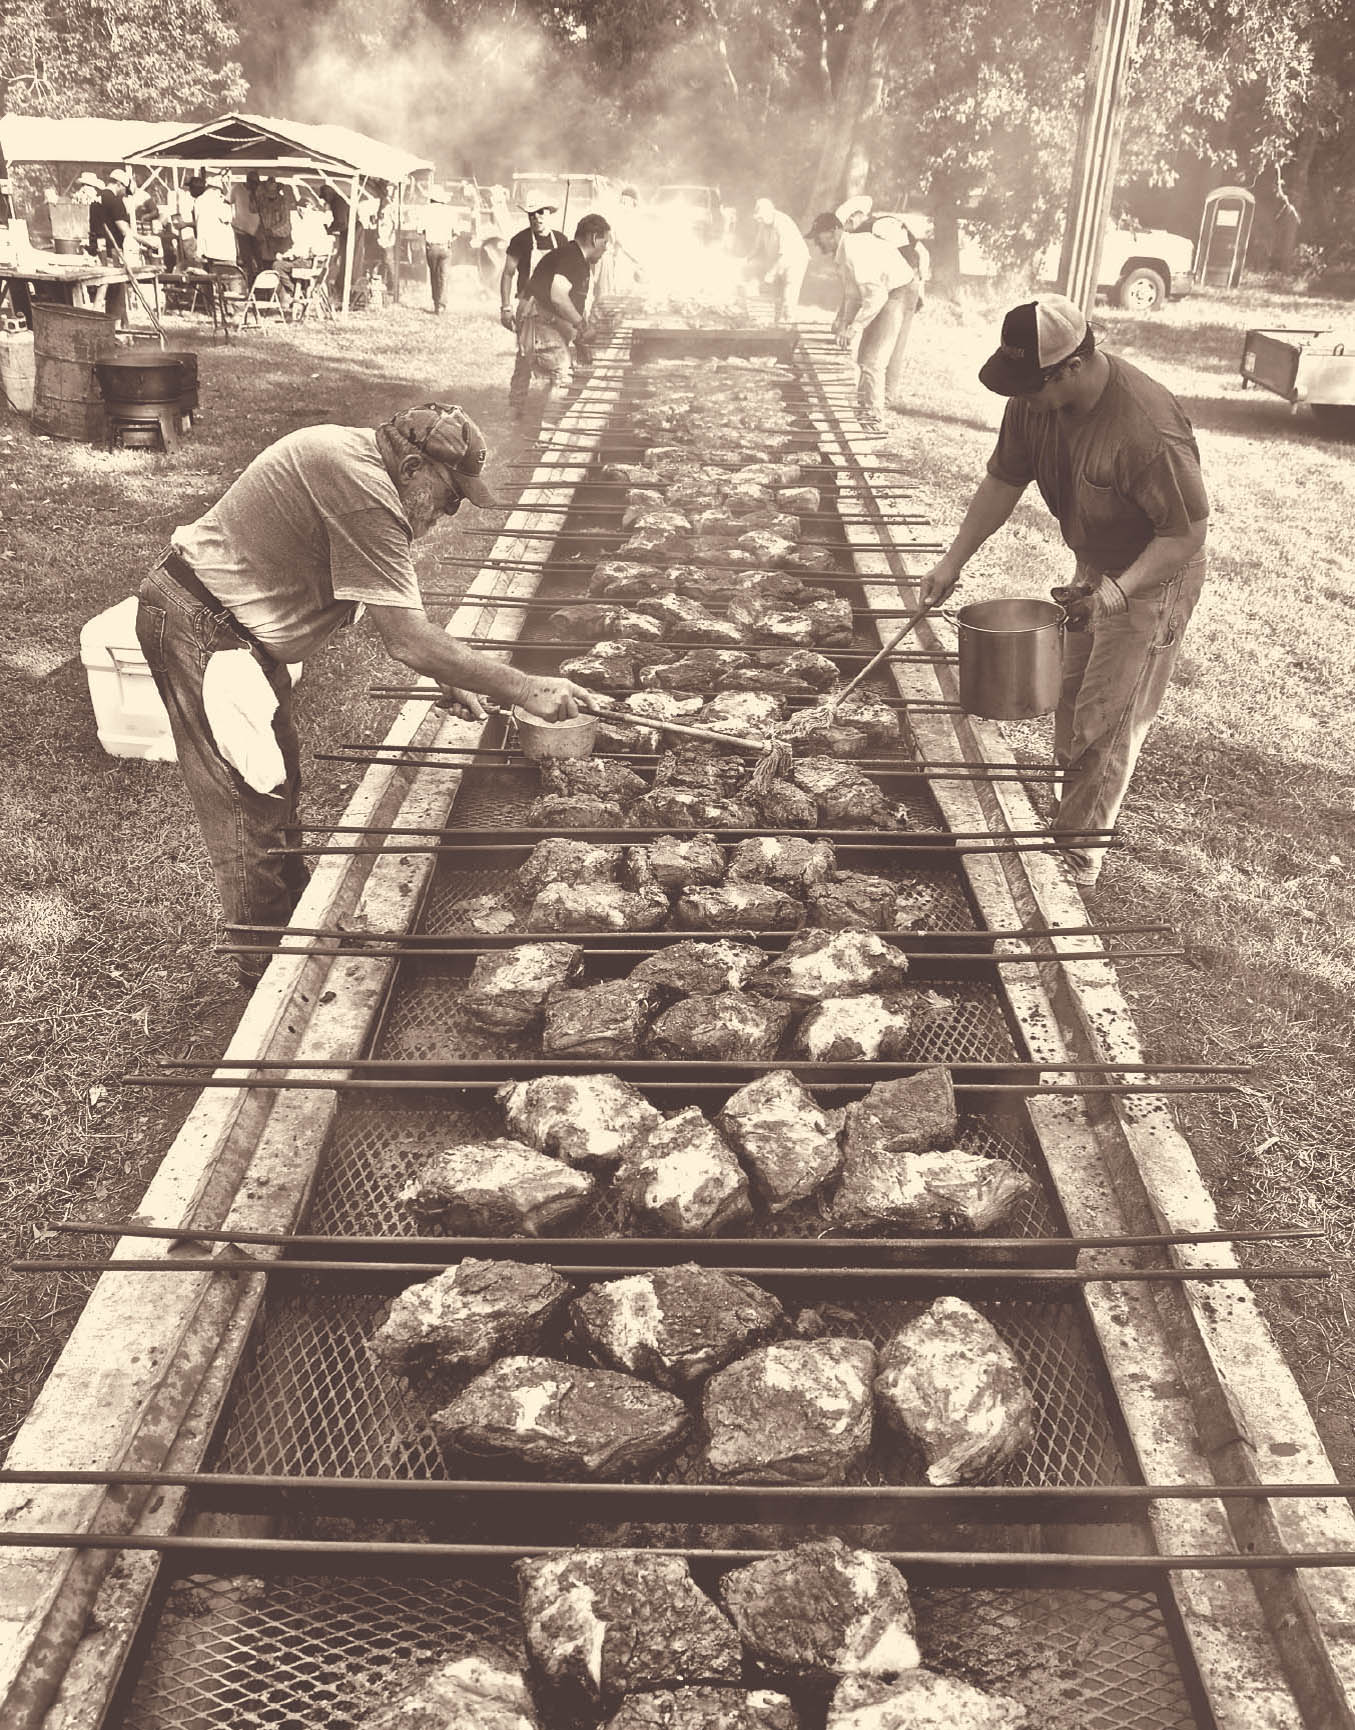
554	317
1115	460
525	251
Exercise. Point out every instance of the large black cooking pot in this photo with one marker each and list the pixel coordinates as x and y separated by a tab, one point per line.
150	375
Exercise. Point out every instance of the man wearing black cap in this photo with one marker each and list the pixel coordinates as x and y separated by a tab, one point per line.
319	525
1115	459
525	251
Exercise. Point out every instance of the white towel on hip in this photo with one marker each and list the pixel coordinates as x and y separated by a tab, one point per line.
240	705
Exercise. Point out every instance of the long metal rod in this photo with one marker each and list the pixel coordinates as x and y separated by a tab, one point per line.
434	757
905	705
832	652
1019	1562
899	766
953	834
352	944
367	1084
556	603
844	840
481	1246
437	1489
903	1276
942	850
554	565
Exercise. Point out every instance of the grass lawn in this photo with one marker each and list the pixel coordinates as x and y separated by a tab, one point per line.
1239	825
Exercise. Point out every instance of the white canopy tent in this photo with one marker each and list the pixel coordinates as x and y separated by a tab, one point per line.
82	141
335	156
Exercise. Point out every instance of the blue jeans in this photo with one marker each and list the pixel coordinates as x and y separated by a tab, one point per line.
880	352
178	636
1114	680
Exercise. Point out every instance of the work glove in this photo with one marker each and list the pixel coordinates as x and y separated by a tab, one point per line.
1084	607
506	318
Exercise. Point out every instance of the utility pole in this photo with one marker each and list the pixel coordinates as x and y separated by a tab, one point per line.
1114	38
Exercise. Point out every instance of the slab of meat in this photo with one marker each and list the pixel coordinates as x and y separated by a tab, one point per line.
656	543
683	864
674	1325
602	1624
686	808
823	1610
759	617
920	1700
627	579
600	1021
726	553
854	900
597	907
948	1189
465	1318
664	705
903	1116
767	547
562	1420
863	1028
591	778
496	1189
699	670
951	1384
608	666
568	811
705	769
471	1694
508	988
784	806
810	559
684	1181
712	585
682	617
846	798
752	713
771	679
729	1027
804	500
706	1709
812	669
822	964
830	618
786	862
739	907
593	623
784	474
796	1412
697	969
561	861
664	518
787	1142
588	1120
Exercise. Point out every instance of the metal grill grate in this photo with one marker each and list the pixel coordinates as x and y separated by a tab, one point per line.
308	1654
377	1147
314	1403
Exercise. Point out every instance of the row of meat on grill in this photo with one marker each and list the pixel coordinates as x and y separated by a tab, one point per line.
610	1383
697	788
764	883
629	1640
887	1160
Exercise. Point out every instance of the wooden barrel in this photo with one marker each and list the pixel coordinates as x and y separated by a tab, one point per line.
67	340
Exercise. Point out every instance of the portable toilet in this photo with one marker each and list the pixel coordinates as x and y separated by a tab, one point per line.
1225	230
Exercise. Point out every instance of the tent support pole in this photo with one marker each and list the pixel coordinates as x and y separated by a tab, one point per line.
352	236
395	249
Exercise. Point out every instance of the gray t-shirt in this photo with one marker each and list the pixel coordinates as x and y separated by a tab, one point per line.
1129	472
312	528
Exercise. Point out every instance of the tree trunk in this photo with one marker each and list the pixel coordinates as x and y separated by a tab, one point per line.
945	241
851	101
1294	199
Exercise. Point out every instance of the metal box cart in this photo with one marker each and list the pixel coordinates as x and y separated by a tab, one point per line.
1316	367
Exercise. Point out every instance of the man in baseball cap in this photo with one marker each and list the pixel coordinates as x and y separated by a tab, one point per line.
1115	459
319	527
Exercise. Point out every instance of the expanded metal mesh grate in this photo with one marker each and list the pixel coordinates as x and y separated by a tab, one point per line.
378	1146
315	1654
314	1403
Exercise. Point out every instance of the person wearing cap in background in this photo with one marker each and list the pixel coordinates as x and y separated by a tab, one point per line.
1115	459
554	321
525	251
780	257
110	224
879	292
854	213
319	525
439	231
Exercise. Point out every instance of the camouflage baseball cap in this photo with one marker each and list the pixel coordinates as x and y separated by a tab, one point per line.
448	436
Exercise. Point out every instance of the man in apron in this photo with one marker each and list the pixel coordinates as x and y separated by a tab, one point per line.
525	251
1115	460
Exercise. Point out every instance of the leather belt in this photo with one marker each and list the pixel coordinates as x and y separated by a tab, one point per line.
178	568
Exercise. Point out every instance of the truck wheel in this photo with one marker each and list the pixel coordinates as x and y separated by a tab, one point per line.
1140	290
1335	420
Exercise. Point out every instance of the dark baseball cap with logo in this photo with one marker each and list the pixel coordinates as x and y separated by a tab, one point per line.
1035	336
446	435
